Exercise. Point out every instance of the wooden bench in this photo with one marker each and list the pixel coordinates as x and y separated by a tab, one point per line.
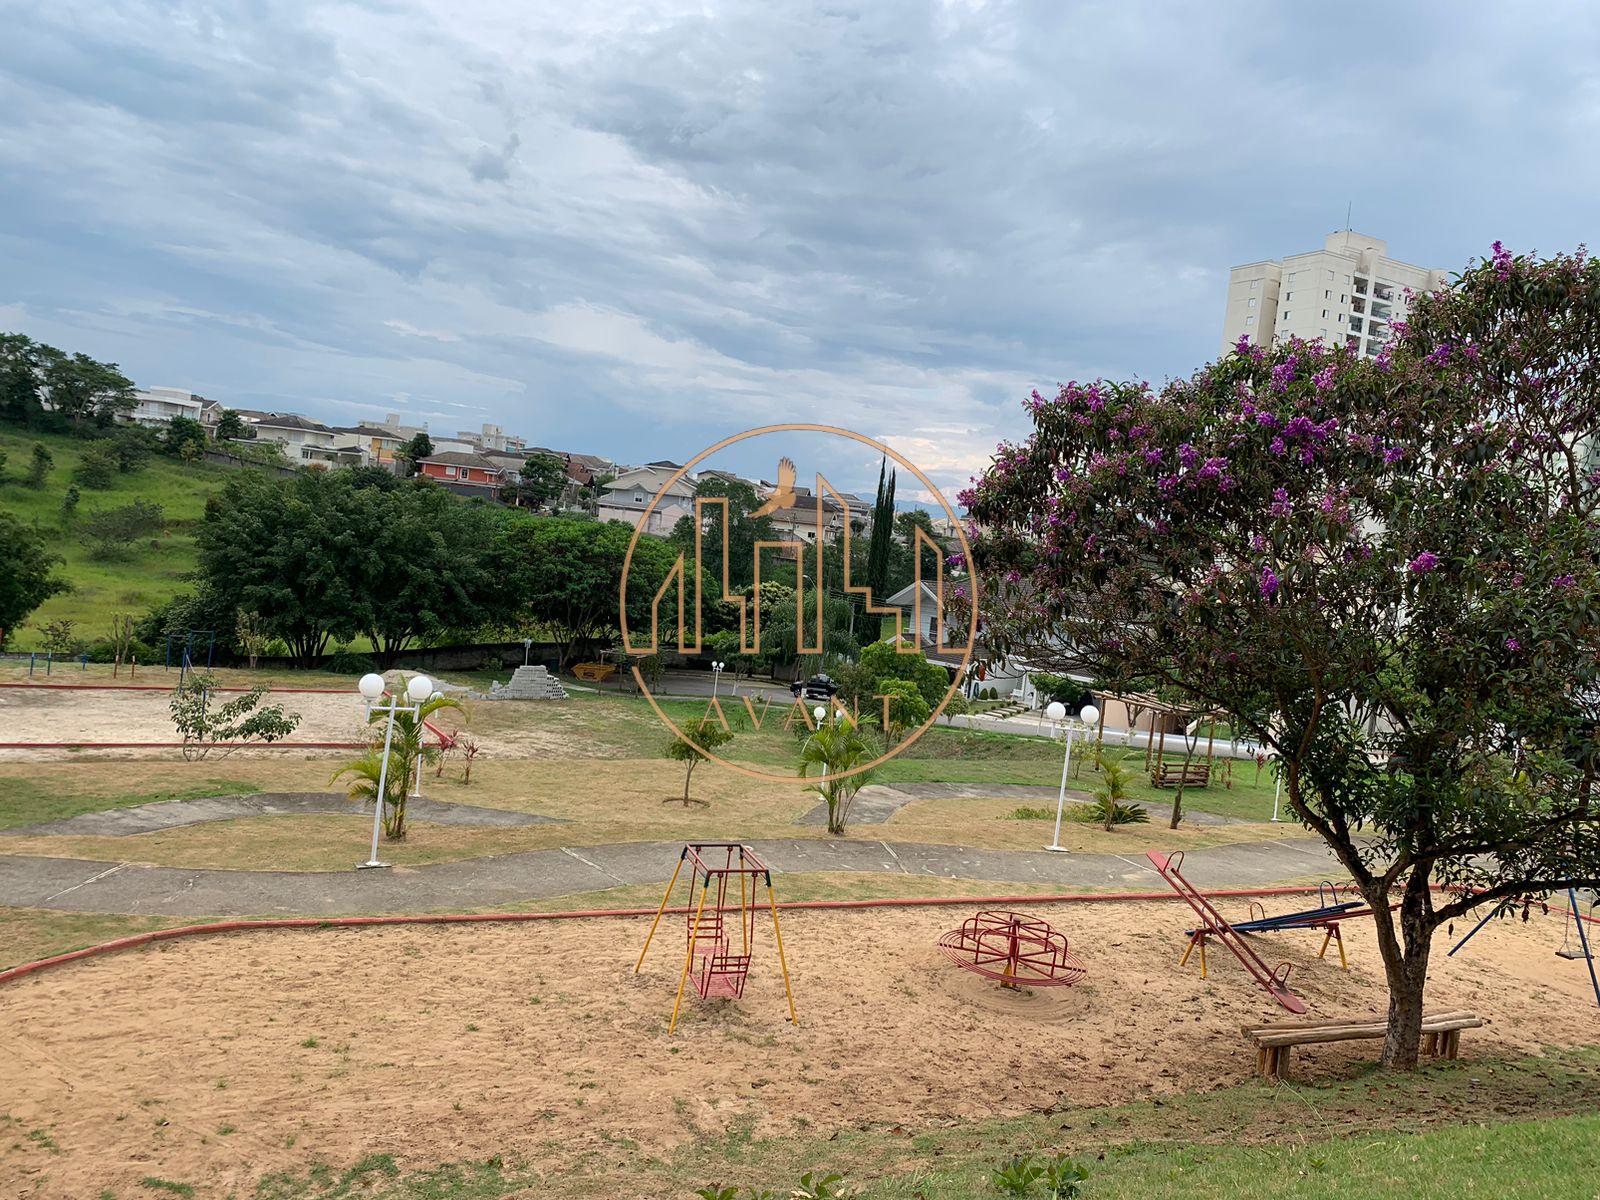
594	672
1166	775
1441	1037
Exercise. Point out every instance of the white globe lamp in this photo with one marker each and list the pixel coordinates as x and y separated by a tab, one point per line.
1055	710
371	686
1089	715
419	689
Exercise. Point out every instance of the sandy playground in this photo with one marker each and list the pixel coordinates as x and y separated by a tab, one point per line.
131	717
216	1060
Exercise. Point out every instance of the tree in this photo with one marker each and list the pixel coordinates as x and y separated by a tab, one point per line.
1382	571
3	457
880	546
84	390
886	662
69	504
540	482
59	637
418	448
231	425
26	578
39	464
561	576
297	551
251	634
97	466
836	748
20	360
120	637
185	437
691	746
204	724
902	707
425	567
743	532
109	532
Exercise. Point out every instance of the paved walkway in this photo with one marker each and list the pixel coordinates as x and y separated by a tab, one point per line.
171	814
78	885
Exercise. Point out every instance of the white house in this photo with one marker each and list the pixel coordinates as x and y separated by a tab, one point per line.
158	406
303	440
627	496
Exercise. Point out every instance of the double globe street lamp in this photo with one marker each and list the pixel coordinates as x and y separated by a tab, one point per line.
1057	712
372	689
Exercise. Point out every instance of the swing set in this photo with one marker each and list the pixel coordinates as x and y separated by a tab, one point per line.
717	953
1574	938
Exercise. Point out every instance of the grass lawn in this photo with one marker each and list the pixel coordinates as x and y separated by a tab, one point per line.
1423	1136
152	571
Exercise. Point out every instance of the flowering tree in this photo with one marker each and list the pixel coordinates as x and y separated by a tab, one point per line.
1387	571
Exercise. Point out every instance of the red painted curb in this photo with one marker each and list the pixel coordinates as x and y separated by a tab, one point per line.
180	745
161	935
157	687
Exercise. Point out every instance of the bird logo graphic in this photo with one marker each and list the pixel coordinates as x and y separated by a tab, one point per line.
782	495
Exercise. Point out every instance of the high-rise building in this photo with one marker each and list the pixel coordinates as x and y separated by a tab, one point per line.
1348	293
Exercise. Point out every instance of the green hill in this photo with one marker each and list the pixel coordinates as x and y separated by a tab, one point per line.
151	571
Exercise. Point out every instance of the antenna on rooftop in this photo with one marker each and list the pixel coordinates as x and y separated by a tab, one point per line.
1347	207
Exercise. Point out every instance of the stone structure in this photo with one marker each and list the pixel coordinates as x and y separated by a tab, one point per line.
527	683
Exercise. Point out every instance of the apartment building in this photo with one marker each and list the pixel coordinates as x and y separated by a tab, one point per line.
157	406
1348	293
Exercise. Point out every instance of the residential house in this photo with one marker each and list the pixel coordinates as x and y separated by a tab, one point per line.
158	406
797	521
627	497
303	440
465	470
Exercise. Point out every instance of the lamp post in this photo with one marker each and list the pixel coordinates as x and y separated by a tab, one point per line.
716	676
372	690
1277	791
1057	712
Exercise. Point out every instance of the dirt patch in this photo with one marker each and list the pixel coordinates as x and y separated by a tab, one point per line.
128	715
538	1043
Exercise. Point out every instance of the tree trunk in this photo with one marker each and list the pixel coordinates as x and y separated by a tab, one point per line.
686	776
1405	955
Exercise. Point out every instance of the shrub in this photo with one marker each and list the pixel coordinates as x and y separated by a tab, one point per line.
202	722
39	464
345	661
97	467
109	532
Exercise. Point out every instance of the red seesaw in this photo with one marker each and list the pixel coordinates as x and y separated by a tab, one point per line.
1214	925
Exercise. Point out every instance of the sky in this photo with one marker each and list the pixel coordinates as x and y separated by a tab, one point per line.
633	229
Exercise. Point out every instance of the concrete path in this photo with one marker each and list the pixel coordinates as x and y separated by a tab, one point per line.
171	814
77	885
877	802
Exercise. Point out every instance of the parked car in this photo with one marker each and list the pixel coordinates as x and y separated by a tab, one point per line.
818	687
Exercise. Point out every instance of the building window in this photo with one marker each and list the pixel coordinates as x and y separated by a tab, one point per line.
1361	284
1254	284
1288	295
1291	276
1344	298
1249	320
1287	315
1330	275
638	497
1355	324
1252	301
1327	295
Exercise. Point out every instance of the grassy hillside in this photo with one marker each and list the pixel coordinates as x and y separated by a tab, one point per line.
150	572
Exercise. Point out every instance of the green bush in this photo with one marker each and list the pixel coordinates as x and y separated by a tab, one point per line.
345	661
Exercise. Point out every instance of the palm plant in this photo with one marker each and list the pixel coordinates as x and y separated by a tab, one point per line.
835	750
1111	805
408	754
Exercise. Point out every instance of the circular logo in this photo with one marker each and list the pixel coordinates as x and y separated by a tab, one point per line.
806	514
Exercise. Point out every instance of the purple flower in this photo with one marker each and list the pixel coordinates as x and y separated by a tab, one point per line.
1323	379
1187	454
1502	261
1283	374
1424	562
1439	356
1564	582
1392	455
1266	420
1513	644
1013	576
1280	503
1268	583
1243	344
1278	447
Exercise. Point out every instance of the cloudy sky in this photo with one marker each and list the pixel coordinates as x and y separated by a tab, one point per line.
633	229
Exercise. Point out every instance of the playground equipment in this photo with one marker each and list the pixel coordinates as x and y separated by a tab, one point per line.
184	642
1573	926
1328	914
1214	925
1014	949
711	960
